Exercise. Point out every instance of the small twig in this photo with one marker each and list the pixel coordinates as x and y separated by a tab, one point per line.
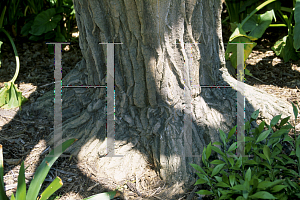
46	85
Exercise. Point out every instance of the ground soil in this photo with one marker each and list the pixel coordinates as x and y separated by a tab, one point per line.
21	134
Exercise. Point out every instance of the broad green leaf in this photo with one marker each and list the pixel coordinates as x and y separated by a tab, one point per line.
279	46
204	192
198	168
285	49
283	121
231	132
26	28
297	25
222	184
262	195
208	151
10	96
263	136
223	136
44	168
45	21
232	147
230	159
54	186
202	177
200	181
254	115
217	143
273	141
102	196
216	162
232	179
217	169
225	179
267	153
248	175
279	133
262	25
239	187
239	32
250	162
287	138
216	149
275	120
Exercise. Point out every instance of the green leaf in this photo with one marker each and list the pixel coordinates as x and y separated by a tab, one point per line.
208	151
262	195
54	186
222	184
267	153
232	147
10	96
223	136
284	121
287	138
279	46
21	189
295	110
275	120
44	168
248	175
45	21
239	187
2	192
263	136
217	143
250	162
230	159
279	133
232	179
255	114
297	25
285	49
200	181
262	25
204	192
217	169
198	168
231	132
225	179
103	196
216	162
26	28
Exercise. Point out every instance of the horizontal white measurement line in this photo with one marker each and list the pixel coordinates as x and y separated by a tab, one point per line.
197	86
84	86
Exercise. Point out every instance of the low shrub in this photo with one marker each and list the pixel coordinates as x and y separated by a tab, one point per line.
265	172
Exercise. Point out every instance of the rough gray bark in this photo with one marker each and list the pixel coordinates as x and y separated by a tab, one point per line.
151	74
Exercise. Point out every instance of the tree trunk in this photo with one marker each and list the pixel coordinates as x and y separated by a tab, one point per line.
153	79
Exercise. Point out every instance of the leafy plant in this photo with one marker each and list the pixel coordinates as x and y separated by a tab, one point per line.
49	24
10	97
265	176
255	24
287	46
39	178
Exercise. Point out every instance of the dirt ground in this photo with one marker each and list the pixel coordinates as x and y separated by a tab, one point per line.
21	134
